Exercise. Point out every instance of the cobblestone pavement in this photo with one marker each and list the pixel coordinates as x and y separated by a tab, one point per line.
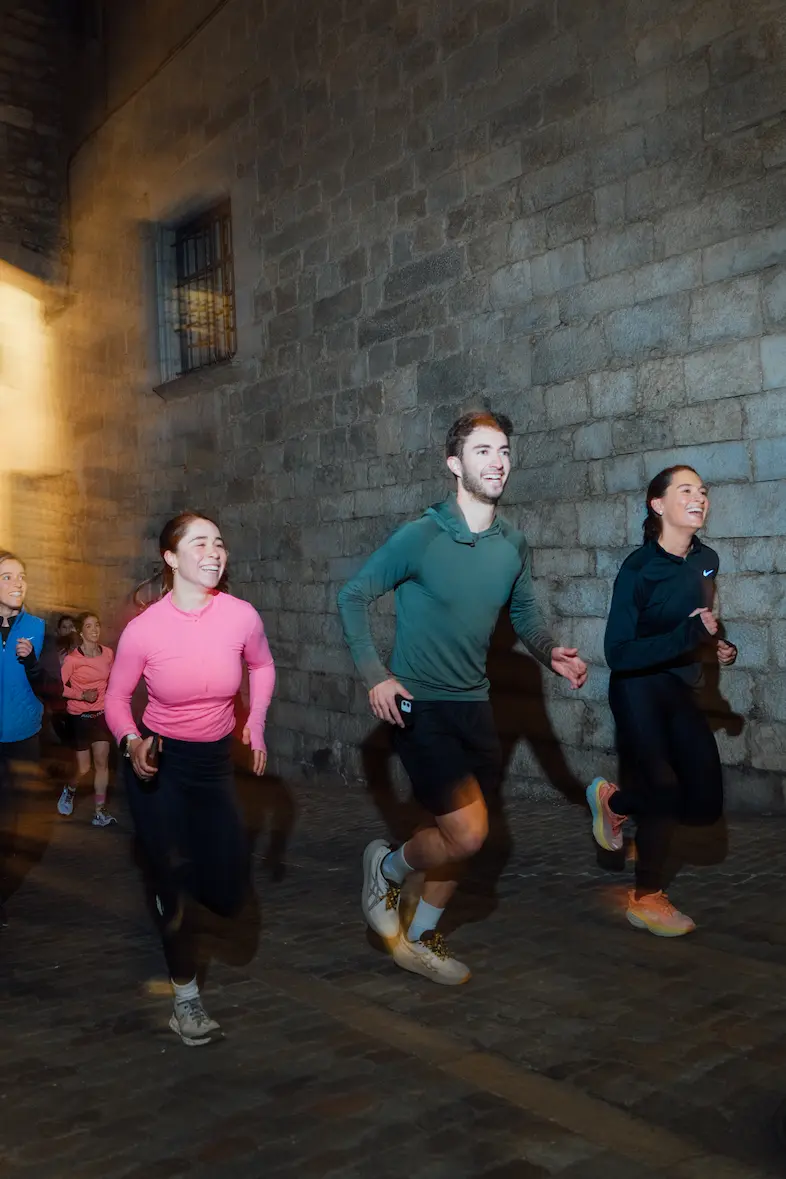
581	1048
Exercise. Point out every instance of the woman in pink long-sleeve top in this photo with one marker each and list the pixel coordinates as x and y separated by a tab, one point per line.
190	647
85	673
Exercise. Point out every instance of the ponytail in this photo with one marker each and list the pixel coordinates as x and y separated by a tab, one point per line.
158	587
652	525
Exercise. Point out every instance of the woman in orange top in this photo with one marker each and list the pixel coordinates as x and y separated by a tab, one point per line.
85	673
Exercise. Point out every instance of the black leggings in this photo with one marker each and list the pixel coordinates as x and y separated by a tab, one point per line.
189	824
670	771
18	762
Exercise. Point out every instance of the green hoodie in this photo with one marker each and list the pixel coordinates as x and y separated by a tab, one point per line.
450	586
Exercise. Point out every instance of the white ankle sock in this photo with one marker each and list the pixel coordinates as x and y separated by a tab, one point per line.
184	991
425	919
395	867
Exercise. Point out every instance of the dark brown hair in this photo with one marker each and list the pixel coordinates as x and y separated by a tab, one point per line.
6	556
65	643
81	619
162	580
653	524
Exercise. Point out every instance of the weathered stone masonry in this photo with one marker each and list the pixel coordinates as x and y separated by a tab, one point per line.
574	210
33	49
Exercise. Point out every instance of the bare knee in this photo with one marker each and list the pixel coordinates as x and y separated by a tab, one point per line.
101	759
467	836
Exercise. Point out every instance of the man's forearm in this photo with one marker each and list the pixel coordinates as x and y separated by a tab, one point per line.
353	611
539	643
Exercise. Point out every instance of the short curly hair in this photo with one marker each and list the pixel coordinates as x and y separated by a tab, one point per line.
461	429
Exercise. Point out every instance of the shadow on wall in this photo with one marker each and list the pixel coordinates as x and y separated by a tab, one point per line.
269	815
36	492
520	713
696	845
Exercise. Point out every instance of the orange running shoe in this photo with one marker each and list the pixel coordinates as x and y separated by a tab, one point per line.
606	826
656	913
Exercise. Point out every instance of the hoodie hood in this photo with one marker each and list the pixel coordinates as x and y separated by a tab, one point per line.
450	518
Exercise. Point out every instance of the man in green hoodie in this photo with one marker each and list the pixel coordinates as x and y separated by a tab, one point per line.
452	571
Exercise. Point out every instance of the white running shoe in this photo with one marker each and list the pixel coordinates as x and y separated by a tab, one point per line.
430	957
66	802
380	897
102	819
191	1022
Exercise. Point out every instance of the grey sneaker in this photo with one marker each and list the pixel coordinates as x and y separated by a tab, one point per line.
380	897
430	957
192	1023
102	819
66	802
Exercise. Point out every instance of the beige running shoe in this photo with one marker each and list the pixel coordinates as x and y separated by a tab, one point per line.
191	1022
430	957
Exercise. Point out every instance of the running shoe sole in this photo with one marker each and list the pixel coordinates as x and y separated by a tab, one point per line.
191	1041
107	821
637	923
414	965
65	808
596	808
370	856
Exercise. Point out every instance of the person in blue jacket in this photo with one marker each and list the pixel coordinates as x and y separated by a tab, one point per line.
663	613
21	712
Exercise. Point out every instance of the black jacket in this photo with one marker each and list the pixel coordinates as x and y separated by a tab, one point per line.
649	626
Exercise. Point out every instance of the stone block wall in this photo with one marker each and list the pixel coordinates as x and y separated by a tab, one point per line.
572	211
33	52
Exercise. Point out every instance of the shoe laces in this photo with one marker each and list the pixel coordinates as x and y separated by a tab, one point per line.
193	1010
436	943
659	900
387	890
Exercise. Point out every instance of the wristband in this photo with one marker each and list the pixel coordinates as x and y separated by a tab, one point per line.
124	750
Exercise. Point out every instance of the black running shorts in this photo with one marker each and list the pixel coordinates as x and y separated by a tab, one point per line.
448	743
87	730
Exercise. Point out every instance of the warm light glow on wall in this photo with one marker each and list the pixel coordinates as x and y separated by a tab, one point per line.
31	439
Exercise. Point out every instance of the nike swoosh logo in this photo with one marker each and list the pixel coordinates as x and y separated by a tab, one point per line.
708	572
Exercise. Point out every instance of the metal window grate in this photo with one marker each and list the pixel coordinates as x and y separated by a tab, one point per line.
205	289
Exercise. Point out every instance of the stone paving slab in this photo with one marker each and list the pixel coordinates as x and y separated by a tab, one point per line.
580	1048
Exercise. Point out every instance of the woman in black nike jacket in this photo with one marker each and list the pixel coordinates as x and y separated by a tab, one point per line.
661	614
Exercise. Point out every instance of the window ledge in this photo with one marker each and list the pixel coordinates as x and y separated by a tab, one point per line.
213	376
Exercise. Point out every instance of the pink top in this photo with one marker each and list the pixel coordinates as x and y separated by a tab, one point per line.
81	672
192	663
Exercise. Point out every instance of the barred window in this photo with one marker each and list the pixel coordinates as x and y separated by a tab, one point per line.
196	284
